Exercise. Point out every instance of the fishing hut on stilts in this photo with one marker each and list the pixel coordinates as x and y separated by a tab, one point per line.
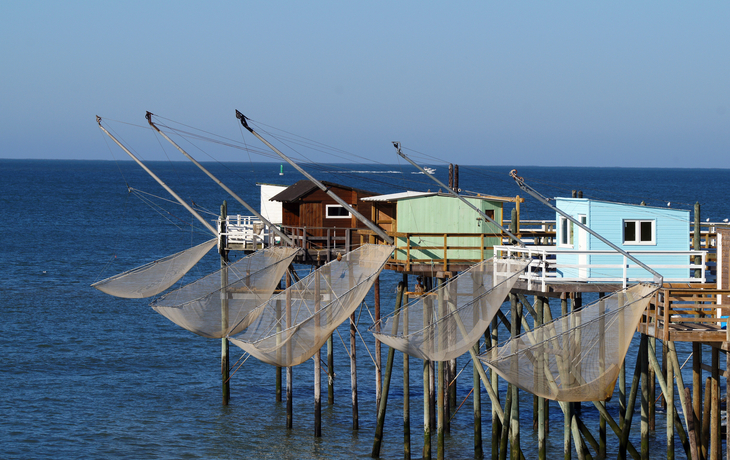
479	282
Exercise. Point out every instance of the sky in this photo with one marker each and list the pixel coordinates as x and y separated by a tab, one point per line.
632	84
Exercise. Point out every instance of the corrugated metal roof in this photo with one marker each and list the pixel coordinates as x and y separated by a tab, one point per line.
398	196
411	194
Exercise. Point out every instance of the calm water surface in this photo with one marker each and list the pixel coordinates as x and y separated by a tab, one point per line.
84	374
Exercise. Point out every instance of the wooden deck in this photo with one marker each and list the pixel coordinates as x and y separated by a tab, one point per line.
689	313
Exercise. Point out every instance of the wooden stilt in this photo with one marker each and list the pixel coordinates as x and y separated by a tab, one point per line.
440	431
541	438
289	373
353	373
715	439
697	390
704	427
330	372
426	410
669	402
377	442
692	421
225	364
727	403
504	436
577	305
477	400
493	339
644	358
317	361
378	374
567	411
652	387
406	387
278	331
515	418
447	397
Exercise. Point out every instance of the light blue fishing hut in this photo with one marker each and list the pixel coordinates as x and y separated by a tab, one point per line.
659	237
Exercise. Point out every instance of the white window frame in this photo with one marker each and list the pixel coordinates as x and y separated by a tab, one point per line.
565	226
637	232
327	212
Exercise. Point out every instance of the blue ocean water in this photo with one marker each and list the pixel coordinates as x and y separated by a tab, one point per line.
84	374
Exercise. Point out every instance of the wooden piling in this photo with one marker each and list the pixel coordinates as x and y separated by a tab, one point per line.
715	439
567	412
380	422
697	390
440	429
644	358
378	374
515	418
477	400
506	422
440	432
289	372
493	340
704	427
278	331
317	361
541	438
652	387
669	400
406	386
426	410
225	364
353	373
330	372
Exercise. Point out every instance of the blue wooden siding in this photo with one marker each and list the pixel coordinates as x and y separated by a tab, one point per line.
671	233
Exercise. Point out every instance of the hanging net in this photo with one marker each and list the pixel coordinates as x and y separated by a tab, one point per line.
150	279
295	323
218	305
444	323
576	357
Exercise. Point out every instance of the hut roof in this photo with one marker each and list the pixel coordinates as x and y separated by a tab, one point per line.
305	187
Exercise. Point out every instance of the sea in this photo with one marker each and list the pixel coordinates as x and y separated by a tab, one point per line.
86	375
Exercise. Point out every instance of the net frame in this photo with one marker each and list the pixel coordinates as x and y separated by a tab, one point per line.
439	325
317	305
154	277
576	357
221	303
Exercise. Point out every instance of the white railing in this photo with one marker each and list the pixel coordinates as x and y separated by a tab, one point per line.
246	230
545	269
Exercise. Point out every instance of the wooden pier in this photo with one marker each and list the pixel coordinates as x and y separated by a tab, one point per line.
687	312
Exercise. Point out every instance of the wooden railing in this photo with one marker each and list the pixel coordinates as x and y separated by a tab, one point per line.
407	244
688	314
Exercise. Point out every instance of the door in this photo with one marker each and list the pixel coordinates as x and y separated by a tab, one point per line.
582	246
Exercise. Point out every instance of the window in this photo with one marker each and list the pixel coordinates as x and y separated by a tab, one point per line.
566	232
336	211
639	232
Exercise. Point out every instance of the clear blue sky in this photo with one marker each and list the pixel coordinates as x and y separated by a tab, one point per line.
509	83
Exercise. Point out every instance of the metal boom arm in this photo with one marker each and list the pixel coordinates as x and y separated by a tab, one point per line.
481	213
273	227
324	188
180	200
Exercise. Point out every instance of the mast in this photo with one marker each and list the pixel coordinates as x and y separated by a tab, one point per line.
658	279
453	193
273	227
159	181
323	187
